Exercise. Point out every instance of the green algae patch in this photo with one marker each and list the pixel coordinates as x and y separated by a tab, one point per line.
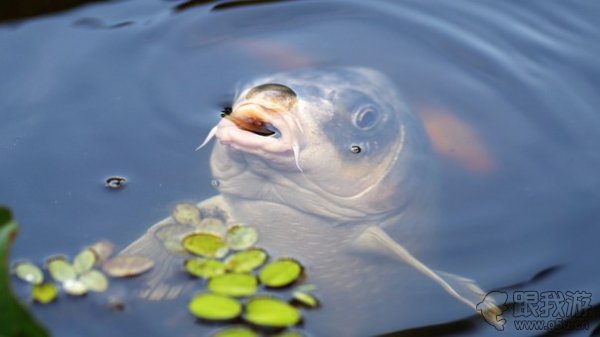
204	268
214	307
127	265
280	273
28	272
235	285
186	214
271	312
206	245
44	293
240	237
236	331
15	319
246	261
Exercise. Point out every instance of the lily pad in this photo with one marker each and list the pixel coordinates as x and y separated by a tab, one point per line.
28	272
241	237
305	299
127	265
44	293
186	214
280	273
74	287
204	268
103	250
94	281
246	261
214	307
235	285
60	269
212	225
205	244
84	261
236	331
271	312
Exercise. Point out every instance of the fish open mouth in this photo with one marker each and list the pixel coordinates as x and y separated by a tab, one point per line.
258	129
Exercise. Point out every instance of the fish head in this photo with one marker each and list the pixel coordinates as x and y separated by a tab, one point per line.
334	142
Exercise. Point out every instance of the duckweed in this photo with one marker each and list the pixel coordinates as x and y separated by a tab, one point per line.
280	273
271	312
235	285
214	307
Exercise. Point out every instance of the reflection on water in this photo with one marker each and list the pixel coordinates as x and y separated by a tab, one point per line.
80	104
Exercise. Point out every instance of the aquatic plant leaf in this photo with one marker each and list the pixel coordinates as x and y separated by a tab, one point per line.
280	273
307	287
212	225
205	244
103	250
28	272
174	246
246	261
44	293
235	285
84	261
60	269
94	281
74	287
241	237
305	299
236	331
204	268
186	214
15	319
214	307
172	235
127	265
271	312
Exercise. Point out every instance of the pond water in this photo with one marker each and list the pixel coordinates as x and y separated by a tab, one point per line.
508	92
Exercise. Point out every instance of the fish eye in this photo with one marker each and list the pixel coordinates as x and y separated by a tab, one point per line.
365	118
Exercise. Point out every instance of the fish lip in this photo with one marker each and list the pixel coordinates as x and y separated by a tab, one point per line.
287	125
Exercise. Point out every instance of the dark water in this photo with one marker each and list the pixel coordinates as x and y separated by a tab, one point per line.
131	88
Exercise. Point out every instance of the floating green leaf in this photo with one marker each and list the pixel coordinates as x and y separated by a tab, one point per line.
94	281
214	307
236	331
74	287
127	265
103	250
241	237
15	319
44	293
28	272
84	261
235	285
246	261
305	298
280	273
186	214
212	225
271	312
205	244
60	269
204	268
